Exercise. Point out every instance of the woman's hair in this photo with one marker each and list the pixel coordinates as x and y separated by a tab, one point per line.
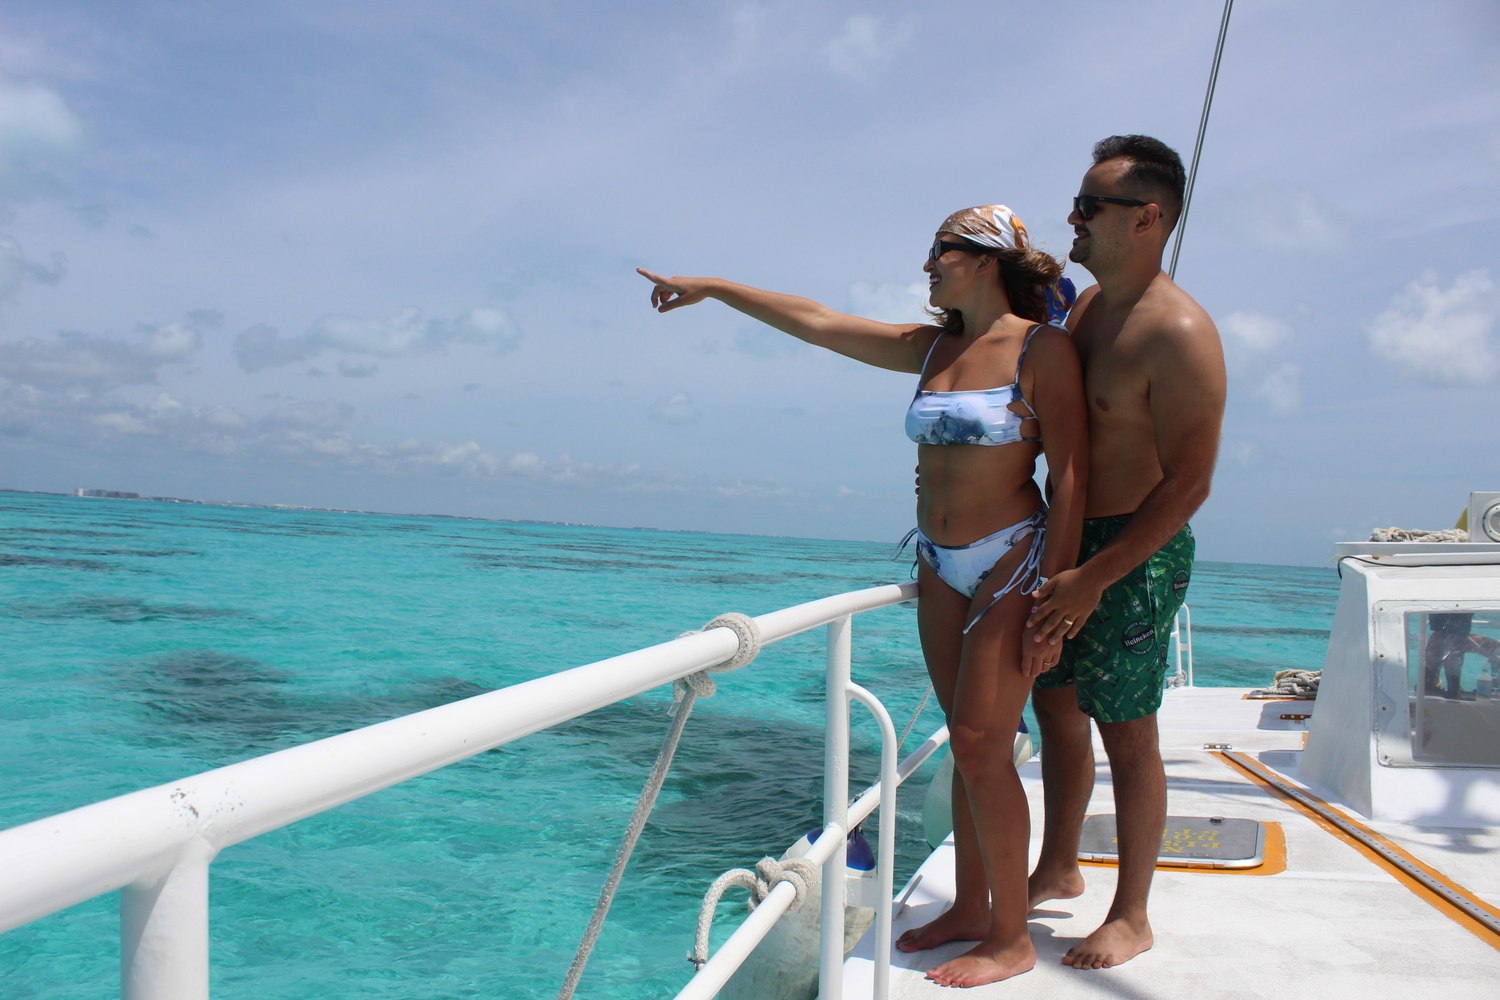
1025	275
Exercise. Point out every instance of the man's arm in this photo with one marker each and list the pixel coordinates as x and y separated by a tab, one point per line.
1187	386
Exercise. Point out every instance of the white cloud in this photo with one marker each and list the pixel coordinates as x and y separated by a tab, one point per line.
866	45
1257	332
1245	454
123	423
1296	218
223	418
677	408
1443	335
524	463
890	302
34	122
164	403
407	334
1282	389
325	415
1313	224
467	458
335	446
759	342
1255	340
102	362
177	341
761	490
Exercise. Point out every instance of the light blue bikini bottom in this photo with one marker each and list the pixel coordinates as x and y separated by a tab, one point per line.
965	567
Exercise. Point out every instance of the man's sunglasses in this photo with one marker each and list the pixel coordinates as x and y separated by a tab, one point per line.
941	246
1088	204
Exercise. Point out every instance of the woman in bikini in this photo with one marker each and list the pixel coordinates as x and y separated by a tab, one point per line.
997	387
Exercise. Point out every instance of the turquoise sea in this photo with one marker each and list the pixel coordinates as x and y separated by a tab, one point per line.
145	641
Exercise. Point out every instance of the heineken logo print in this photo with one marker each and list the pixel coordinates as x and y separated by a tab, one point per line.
1139	638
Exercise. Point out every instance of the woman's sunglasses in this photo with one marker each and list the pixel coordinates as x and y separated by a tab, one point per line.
941	246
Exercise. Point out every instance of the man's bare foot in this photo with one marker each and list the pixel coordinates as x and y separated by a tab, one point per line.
1043	886
986	964
1115	942
951	925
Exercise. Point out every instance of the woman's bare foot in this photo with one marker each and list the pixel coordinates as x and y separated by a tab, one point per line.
951	925
1115	942
986	964
1042	886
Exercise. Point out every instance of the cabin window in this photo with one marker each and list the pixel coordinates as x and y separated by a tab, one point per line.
1453	677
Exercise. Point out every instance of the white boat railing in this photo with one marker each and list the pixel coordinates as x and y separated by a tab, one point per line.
156	845
1182	646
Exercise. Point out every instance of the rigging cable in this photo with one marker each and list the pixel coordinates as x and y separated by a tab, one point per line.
1208	100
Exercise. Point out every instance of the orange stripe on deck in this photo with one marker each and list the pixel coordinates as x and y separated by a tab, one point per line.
1328	817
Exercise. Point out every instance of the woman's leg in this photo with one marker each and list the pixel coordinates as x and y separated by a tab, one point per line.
989	693
942	613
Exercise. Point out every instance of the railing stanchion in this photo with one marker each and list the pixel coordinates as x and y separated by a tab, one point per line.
835	809
164	932
885	865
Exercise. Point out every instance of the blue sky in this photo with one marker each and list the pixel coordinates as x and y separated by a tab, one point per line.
380	255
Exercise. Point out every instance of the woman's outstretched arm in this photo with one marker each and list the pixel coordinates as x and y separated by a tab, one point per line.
897	346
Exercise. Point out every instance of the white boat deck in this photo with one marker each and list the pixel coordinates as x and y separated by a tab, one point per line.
1333	924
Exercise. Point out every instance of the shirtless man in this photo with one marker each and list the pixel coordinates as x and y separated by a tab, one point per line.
1153	370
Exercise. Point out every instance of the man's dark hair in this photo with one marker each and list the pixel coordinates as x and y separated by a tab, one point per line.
1155	168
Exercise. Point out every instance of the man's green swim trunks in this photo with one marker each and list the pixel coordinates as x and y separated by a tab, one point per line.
1119	660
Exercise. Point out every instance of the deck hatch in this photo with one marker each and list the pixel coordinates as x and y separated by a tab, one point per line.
1192	841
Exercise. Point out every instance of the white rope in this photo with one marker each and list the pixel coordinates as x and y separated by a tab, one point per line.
746	631
914	717
1294	684
768	873
684	693
1418	534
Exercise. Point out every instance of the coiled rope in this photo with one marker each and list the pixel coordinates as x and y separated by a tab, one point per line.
1419	535
1295	684
768	873
684	693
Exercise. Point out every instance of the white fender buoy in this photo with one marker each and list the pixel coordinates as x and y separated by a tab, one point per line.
937	807
785	964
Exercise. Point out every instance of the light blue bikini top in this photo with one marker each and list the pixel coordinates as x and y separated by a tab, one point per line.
970	416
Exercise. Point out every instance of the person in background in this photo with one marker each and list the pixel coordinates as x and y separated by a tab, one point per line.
997	387
1452	638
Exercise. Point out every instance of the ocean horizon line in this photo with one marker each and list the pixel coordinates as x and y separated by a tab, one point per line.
93	493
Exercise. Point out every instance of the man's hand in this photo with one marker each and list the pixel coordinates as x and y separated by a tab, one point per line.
1060	606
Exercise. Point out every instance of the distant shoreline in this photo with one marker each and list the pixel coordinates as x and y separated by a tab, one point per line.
97	494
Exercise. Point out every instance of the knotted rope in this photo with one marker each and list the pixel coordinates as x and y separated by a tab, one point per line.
1418	535
1295	683
684	693
768	873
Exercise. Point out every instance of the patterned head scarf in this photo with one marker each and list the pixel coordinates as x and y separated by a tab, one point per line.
989	226
997	227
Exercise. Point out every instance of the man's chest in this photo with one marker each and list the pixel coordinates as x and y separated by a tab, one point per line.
1116	379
